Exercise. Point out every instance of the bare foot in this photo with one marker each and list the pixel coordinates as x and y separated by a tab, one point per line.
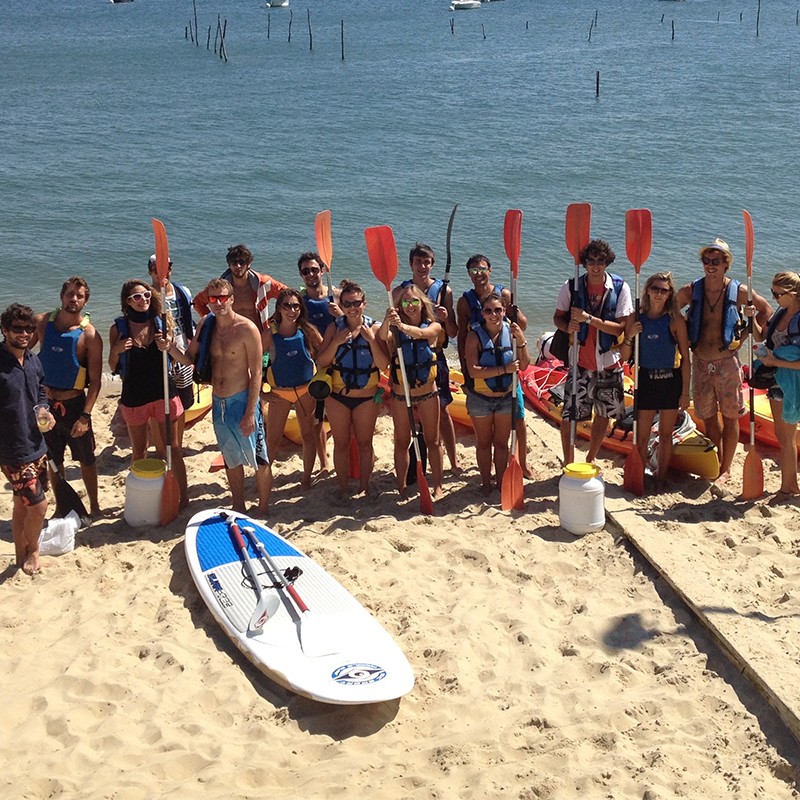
31	565
438	493
527	472
456	469
722	478
719	491
403	492
486	489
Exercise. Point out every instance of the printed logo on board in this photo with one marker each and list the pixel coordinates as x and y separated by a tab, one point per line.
221	594
358	674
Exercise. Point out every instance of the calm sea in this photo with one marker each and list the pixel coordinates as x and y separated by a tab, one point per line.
110	117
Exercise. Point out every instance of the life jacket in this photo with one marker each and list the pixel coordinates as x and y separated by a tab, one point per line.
433	292
202	361
318	313
732	323
183	300
124	332
494	355
291	365
475	313
353	365
656	343
59	356
262	287
419	360
793	330
608	309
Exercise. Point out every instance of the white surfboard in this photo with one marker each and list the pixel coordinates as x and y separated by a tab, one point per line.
334	652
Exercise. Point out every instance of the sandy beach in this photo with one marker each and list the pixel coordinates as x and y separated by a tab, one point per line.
547	666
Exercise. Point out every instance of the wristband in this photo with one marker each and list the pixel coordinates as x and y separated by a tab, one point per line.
524	344
85	415
627	341
589	319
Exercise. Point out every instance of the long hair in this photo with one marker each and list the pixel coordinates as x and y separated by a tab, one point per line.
427	306
312	335
788	281
155	310
671	306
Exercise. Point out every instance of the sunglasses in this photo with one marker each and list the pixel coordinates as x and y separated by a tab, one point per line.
491	311
237	263
714	262
477	270
353	303
659	289
218	298
776	295
310	271
291	306
30	329
140	297
412	303
592	262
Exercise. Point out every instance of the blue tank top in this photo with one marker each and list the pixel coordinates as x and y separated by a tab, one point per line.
292	365
318	314
656	343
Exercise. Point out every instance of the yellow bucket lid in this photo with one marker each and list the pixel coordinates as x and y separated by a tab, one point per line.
581	470
149	468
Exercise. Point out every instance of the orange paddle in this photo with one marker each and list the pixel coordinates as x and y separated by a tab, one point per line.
512	494
753	477
170	494
638	241
322	229
383	260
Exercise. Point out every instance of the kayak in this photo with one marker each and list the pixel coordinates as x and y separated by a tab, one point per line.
694	453
458	408
200	407
764	425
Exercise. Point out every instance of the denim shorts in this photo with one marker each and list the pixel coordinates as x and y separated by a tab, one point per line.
479	405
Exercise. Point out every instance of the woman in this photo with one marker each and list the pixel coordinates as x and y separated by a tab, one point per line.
489	358
292	343
136	339
782	336
356	357
411	327
663	378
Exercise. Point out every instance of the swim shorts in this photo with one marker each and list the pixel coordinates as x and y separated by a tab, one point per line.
598	391
66	413
28	481
139	415
717	384
238	450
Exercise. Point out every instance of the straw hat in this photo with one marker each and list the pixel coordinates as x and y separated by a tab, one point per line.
717	244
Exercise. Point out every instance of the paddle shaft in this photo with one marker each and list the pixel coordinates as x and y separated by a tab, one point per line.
636	367
449	262
236	532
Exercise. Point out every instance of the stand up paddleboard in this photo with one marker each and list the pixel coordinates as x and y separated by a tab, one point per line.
311	635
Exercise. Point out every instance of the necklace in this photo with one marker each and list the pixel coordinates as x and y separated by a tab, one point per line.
712	306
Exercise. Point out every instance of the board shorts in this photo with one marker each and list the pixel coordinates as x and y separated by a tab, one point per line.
519	403
481	405
66	413
659	389
599	392
443	379
717	385
28	481
140	415
238	450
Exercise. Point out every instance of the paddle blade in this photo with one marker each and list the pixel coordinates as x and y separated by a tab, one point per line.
217	464
512	236
633	473
578	229
170	498
749	241
162	250
425	500
266	608
322	229
382	254
511	491
638	235
753	479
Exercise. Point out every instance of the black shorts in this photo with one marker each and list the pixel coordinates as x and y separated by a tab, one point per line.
659	389
187	396
66	413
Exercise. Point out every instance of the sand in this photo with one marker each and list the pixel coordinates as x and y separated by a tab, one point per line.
547	666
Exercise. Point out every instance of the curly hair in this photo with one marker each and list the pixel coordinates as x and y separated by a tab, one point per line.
154	310
598	248
240	254
16	312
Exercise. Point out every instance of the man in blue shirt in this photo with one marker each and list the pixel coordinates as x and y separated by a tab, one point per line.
23	452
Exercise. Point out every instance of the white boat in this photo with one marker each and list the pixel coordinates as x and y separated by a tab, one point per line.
278	4
464	5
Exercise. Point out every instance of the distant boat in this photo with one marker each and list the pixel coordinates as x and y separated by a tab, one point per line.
121	1
464	5
277	4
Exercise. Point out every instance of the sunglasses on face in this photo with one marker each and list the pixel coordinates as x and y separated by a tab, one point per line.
291	306
140	297
659	290
30	329
218	298
237	263
310	271
477	270
492	311
592	262
778	295
352	303
412	303
714	262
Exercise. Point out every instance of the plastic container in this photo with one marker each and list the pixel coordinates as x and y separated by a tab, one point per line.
581	499
143	493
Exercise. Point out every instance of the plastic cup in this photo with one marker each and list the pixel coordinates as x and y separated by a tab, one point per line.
42	413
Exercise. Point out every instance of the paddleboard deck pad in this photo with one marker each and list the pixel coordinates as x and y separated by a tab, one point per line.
335	652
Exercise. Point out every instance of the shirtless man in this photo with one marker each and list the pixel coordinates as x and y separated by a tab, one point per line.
229	346
71	352
715	334
251	290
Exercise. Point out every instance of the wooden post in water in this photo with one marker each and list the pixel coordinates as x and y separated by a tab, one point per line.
208	39
590	30
453	26
310	34
597	84
595	18
662	18
216	33
673	30
223	51
758	17
290	25
196	29
269	23
342	40
483	31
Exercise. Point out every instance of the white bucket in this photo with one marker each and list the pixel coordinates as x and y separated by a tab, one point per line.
581	499
143	493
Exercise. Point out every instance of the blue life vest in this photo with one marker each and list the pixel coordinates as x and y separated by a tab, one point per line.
183	301
202	361
353	365
124	332
433	291
793	330
608	310
291	364
59	356
475	314
418	357
656	343
494	355
732	325
318	313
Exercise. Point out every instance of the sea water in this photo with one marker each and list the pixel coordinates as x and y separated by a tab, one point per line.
111	116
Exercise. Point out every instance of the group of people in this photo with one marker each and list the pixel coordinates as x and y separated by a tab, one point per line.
321	355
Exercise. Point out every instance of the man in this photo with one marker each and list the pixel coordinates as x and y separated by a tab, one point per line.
468	314
228	346
596	313
71	354
716	331
251	290
23	452
421	260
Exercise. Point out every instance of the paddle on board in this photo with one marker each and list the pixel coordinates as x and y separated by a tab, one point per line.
382	254
170	493
753	477
638	241
578	231
511	490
